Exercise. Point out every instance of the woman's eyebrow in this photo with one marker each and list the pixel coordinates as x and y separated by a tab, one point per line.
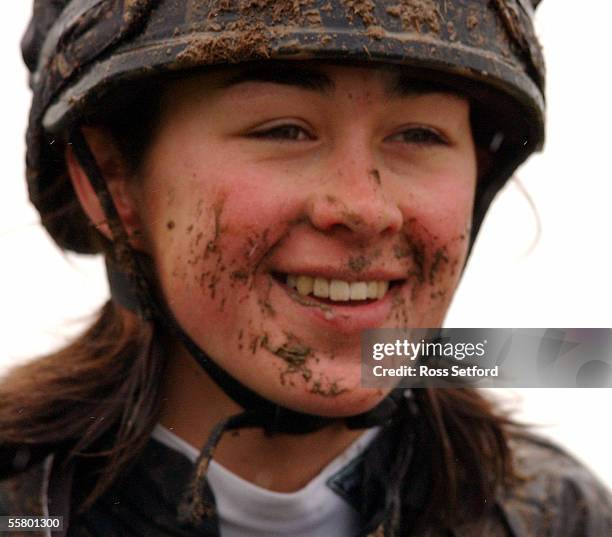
283	74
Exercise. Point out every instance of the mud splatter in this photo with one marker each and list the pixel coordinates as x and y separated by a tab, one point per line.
296	11
239	275
249	35
228	48
401	312
471	22
199	254
415	250
417	14
294	354
240	337
264	302
376	32
212	286
213	244
218	208
255	340
440	259
359	263
313	17
330	390
256	244
364	9
134	10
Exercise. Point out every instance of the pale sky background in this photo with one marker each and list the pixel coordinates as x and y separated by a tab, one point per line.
563	281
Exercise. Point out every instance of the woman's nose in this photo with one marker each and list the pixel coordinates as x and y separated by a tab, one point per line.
353	197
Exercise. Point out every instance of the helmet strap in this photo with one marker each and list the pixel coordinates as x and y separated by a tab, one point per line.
123	252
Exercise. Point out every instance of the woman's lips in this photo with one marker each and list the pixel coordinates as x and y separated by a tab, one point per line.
344	316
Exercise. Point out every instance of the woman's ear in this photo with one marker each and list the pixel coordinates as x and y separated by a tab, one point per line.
118	177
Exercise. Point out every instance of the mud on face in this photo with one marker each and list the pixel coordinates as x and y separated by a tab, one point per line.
433	267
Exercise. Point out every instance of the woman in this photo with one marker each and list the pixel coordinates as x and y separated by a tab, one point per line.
267	180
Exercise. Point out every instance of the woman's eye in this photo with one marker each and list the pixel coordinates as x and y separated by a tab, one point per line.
284	132
419	136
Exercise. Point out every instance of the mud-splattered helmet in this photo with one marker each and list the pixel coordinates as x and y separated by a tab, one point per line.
81	50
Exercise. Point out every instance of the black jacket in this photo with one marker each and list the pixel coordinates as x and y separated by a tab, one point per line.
556	497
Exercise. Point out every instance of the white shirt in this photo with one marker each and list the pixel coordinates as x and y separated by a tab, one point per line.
247	510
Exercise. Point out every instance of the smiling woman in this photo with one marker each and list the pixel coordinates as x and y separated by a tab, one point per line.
283	177
266	181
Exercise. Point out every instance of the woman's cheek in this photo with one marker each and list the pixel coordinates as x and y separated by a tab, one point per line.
210	245
433	246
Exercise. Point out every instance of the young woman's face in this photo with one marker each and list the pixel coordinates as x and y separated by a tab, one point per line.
288	208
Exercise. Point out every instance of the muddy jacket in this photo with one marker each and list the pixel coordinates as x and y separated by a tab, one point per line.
556	497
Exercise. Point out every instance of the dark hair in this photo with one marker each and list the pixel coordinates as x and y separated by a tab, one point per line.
107	382
131	116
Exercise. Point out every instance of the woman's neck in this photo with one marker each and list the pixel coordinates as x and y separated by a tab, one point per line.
193	404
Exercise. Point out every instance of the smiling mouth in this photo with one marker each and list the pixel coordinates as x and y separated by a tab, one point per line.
336	292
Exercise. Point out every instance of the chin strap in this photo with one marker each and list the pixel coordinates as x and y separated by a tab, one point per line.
194	506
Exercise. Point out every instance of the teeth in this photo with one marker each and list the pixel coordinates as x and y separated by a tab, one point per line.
305	285
321	287
337	290
383	287
372	289
359	291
